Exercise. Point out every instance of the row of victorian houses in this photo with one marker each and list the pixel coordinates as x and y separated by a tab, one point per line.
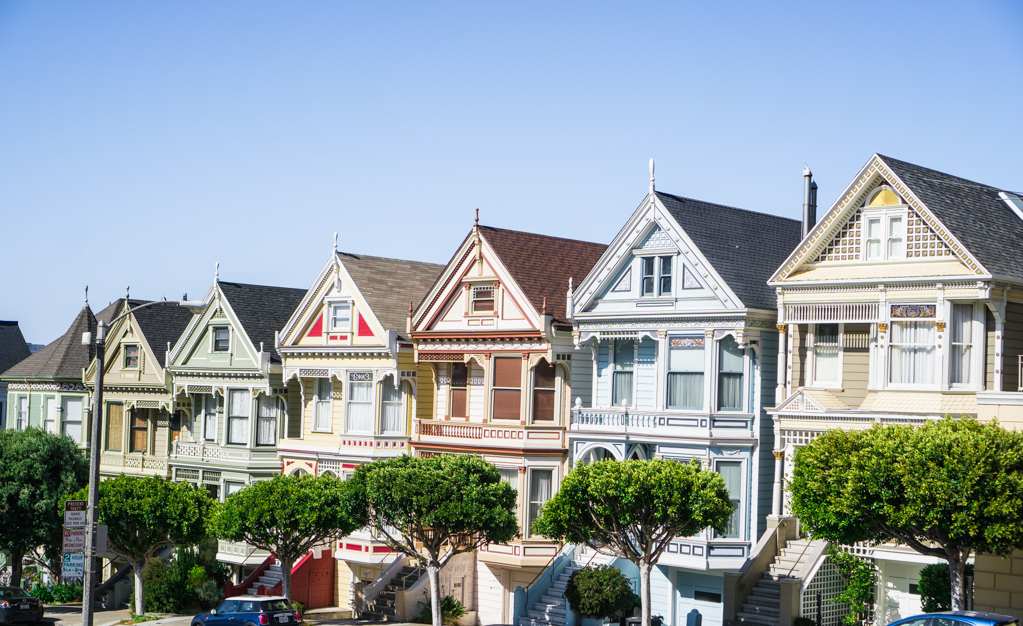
701	332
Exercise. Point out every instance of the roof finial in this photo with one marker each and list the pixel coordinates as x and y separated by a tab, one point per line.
651	175
335	243
216	272
410	307
543	311
477	216
86	295
127	291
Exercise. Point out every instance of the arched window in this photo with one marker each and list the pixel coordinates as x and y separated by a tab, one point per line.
595	454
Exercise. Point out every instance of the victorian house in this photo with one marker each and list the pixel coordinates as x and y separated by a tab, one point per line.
677	328
352	386
494	350
13	350
227	380
140	416
903	304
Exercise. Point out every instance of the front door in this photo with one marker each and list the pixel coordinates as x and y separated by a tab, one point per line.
319	589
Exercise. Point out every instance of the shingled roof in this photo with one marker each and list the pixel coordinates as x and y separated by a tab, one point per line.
744	247
541	265
262	310
66	357
12	345
161	325
972	212
389	284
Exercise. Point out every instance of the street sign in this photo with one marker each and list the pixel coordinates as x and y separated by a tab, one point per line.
73	566
74	540
75	514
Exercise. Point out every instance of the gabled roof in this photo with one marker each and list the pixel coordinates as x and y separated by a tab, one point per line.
66	357
389	284
541	265
12	345
262	310
161	325
972	212
744	247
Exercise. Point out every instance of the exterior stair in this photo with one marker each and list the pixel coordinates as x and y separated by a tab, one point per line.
552	609
381	608
762	605
269	578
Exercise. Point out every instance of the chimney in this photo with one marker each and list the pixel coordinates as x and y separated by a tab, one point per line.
809	201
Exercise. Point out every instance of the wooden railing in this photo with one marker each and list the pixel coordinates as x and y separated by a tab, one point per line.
460	431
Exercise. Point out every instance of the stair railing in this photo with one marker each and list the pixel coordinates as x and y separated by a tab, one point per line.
799	559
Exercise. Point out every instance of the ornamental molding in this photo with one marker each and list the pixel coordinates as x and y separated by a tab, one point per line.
479	346
657	324
46	387
913	311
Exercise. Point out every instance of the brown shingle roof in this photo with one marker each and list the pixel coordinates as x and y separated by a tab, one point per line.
66	357
389	284
541	265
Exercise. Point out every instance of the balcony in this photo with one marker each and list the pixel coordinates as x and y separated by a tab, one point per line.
133	463
490	435
620	421
239	553
212	453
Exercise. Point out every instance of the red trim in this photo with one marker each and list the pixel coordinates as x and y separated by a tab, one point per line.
317	329
381	549
364	329
482	450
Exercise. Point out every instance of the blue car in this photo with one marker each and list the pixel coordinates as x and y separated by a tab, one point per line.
958	618
250	611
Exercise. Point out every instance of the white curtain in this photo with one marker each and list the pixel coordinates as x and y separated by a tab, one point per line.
360	407
238	416
625	357
685	377
730	375
962	340
210	407
540	488
825	350
266	425
323	407
391	413
913	352
731	471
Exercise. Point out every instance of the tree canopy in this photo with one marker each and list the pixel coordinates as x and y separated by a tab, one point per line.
634	509
448	504
289	515
946	489
144	515
37	471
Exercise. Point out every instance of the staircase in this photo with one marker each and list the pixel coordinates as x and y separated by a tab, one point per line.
762	605
552	609
381	608
268	579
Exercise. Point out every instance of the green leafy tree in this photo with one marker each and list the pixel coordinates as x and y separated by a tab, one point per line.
37	471
634	509
859	585
447	504
289	515
145	515
947	489
935	586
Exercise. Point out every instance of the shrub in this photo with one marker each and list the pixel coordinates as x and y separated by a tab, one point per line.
193	579
600	592
450	610
298	606
935	586
57	594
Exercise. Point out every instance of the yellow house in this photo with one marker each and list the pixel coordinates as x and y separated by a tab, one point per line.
352	383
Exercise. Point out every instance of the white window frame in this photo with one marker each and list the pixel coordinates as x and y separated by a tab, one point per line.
668	371
231	417
812	353
62	416
557	396
389	380
938	368
613	361
323	405
21	418
213	339
332	317
743	497
349	382
124	356
885	215
51	405
472	299
529	492
657	276
746	379
977	344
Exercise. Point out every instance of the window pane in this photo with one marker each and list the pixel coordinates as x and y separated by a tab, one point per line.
507	372
509	475
730	392
360	406
685	390
895	238
540	486
211	404
913	352
459	375
221	339
543	405
731	471
622	392
624	354
392	411
459	401
731	356
115	426
686	359
506	403
665	278
341	316
240	404
874	239
543	375
825	342
239	408
139	430
962	338
266	427
648	277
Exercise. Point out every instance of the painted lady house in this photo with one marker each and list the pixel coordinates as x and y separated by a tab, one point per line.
677	328
903	304
495	350
227	380
352	388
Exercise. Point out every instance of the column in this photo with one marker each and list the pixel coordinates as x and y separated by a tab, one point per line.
779	390
999	351
779	455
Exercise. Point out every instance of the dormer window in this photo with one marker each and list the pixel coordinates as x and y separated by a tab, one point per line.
483	299
131	357
341	316
656	276
221	339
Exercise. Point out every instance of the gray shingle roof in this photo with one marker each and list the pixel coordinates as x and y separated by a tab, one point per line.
389	284
161	325
744	247
262	310
12	345
66	357
972	212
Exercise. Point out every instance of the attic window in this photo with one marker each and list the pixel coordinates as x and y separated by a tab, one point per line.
341	316
131	357
483	299
221	339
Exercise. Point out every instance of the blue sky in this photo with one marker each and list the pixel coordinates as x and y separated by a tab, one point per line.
141	142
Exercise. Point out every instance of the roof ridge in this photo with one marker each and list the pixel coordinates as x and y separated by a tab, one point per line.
956	179
726	206
229	282
384	258
526	232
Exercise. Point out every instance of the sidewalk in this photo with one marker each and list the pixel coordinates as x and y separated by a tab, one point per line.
71	615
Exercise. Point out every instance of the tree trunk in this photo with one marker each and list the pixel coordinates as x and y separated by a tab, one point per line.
433	571
957	574
16	559
138	569
286	566
644	589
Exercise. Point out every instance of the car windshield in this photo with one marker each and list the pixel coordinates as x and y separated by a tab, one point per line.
12	592
276	605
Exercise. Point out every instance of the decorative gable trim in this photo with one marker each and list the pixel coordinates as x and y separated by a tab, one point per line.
874	173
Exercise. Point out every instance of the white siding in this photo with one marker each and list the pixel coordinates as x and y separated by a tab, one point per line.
582	377
490	594
476	392
603	376
646	374
441	401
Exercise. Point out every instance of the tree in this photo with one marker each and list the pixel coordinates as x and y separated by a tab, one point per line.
634	509
37	470
144	515
447	504
947	489
289	515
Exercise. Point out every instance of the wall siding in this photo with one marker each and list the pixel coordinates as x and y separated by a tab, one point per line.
798	356
646	374
425	391
582	377
603	376
490	594
989	366
1012	343
855	367
477	401
764	458
294	426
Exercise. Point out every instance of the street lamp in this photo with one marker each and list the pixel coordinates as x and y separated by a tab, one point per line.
195	306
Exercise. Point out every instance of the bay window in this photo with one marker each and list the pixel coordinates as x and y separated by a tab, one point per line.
685	372
541	485
459	390
624	364
322	418
730	375
266	422
544	378
507	394
826	363
360	402
961	340
913	353
139	438
392	411
115	427
731	471
238	410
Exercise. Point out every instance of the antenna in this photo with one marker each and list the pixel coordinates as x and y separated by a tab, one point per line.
651	175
